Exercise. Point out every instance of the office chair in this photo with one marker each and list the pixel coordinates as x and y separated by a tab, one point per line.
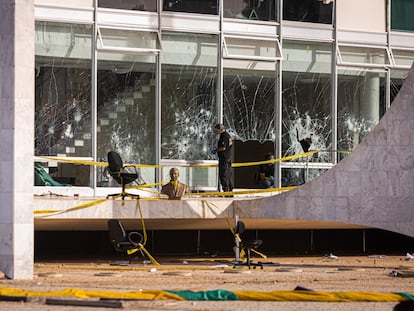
116	169
247	247
120	240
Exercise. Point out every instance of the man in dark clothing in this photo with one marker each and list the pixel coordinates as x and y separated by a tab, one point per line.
267	173
224	152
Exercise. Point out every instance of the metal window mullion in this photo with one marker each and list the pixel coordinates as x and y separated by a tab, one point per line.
94	108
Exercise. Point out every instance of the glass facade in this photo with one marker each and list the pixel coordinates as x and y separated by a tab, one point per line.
152	90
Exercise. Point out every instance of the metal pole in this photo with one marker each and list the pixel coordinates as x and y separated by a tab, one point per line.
237	243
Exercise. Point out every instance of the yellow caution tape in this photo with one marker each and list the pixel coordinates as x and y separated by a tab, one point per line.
81	206
298	295
304	295
252	191
144	231
105	164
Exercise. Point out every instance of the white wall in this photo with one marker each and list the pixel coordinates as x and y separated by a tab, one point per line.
361	15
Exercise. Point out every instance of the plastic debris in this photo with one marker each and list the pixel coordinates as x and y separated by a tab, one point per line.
331	256
409	257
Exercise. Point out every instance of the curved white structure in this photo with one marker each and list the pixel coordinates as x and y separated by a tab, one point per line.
373	186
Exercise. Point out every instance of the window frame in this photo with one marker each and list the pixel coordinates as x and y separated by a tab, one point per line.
101	47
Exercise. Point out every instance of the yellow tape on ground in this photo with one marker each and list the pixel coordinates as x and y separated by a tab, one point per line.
242	295
302	295
79	293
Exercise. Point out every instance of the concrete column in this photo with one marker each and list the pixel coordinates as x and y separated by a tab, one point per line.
371	98
16	138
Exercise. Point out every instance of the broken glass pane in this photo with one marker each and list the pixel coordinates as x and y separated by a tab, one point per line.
361	104
63	90
188	96
126	110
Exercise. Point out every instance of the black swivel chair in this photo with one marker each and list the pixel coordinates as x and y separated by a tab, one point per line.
246	246
120	240
116	169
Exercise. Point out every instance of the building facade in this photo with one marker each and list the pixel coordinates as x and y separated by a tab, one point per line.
150	78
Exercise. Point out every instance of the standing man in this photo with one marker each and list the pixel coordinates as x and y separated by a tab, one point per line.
224	152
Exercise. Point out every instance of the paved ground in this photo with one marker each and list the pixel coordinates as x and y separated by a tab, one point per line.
343	274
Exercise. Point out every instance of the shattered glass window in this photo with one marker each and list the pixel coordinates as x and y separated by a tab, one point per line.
306	108
361	104
126	88
306	98
249	99
397	80
63	90
188	95
298	176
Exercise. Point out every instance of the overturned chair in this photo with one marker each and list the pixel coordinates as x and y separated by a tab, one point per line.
121	241
117	170
247	247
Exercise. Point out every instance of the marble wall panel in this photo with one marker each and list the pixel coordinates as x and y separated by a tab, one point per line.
368	159
393	183
6	122
406	184
392	158
316	187
378	137
6	181
406	158
6	214
329	184
341	210
379	183
405	110
394	130
355	164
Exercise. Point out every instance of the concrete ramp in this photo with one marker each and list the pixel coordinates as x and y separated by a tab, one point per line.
373	186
